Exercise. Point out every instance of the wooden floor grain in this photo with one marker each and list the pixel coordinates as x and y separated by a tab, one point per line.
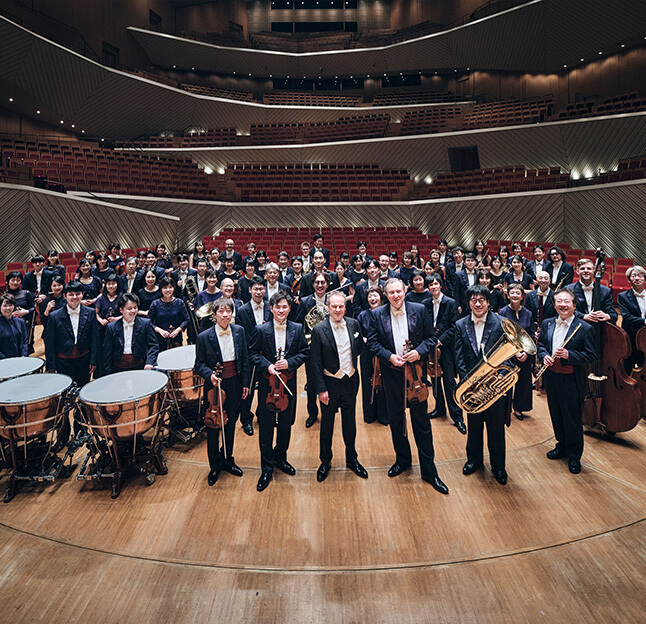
549	546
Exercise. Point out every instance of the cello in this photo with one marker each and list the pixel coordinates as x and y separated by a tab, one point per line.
612	402
639	372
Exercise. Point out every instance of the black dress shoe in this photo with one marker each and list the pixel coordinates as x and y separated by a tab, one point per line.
519	415
310	421
213	477
232	469
357	468
437	414
248	429
461	427
264	480
323	471
500	476
369	421
470	467
575	466
286	467
385	423
555	453
437	484
397	469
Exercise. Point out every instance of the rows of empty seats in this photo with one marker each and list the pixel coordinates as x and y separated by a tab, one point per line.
627	169
89	167
302	98
229	38
402	98
229	94
431	120
317	182
625	103
388	36
300	42
508	112
213	137
509	179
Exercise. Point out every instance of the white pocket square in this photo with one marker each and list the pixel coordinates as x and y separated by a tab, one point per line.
356	334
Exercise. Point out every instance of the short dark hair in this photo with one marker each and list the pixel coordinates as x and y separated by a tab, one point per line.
279	295
359	243
14	274
167	281
430	279
469	256
222	302
125	298
568	291
181	257
38	258
256	280
559	251
538	247
8	298
456	248
371	262
73	286
283	254
478	290
59	280
317	237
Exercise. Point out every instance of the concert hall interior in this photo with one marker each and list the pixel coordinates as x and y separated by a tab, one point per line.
492	127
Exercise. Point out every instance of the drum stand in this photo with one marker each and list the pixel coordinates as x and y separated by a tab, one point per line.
34	459
109	458
185	419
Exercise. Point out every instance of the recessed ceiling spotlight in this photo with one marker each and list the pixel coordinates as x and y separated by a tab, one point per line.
37	112
11	99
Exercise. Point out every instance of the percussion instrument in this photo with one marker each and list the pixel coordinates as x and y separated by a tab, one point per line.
31	411
186	392
118	410
19	366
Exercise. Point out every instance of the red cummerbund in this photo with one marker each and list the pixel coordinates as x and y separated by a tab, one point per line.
229	370
73	354
128	362
560	368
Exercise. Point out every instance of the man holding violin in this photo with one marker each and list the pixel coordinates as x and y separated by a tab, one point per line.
279	348
336	345
392	327
222	360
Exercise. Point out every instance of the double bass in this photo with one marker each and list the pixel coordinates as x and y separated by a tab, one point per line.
612	402
639	372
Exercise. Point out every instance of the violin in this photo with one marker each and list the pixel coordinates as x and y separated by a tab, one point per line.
375	381
216	415
416	389
612	402
278	397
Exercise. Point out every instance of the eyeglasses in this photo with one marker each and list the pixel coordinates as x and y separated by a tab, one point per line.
478	300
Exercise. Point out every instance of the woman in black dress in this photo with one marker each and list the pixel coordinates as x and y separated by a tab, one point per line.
25	306
169	316
92	285
418	261
115	261
107	310
149	293
54	300
53	265
496	300
483	259
356	272
164	260
102	269
199	253
517	275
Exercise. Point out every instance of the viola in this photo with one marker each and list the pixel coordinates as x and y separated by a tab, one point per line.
416	388
277	397
612	402
216	415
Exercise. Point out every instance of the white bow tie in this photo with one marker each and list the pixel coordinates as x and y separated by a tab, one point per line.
640	295
129	325
562	323
588	288
76	312
339	325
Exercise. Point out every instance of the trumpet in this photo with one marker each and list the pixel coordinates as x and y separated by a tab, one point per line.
491	378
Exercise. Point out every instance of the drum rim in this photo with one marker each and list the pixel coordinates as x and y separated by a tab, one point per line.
122	401
42	398
22	358
173	370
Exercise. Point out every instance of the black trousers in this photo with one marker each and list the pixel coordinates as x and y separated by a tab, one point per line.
79	370
494	417
393	382
312	405
378	410
246	416
445	395
214	447
565	402
283	421
343	396
523	395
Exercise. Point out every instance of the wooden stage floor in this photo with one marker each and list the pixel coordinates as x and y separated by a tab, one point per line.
549	546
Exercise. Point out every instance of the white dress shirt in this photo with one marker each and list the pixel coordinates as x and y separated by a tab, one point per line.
478	326
587	291
75	316
225	340
555	272
131	281
641	300
271	290
560	332
258	312
344	349
436	307
399	322
39	279
280	332
471	278
127	337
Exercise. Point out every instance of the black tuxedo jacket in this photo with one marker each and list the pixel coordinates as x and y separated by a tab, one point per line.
582	348
263	348
326	253
281	286
180	291
531	303
460	286
145	345
359	302
447	317
208	355
565	275
285	279
631	317
246	319
30	283
139	282
324	354
59	335
607	305
420	331
530	268
14	338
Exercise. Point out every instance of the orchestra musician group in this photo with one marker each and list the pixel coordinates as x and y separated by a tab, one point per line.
392	330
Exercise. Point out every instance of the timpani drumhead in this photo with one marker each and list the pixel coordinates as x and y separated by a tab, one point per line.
179	358
123	387
28	389
19	366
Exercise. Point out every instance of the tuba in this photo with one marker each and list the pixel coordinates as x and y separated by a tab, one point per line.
491	378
